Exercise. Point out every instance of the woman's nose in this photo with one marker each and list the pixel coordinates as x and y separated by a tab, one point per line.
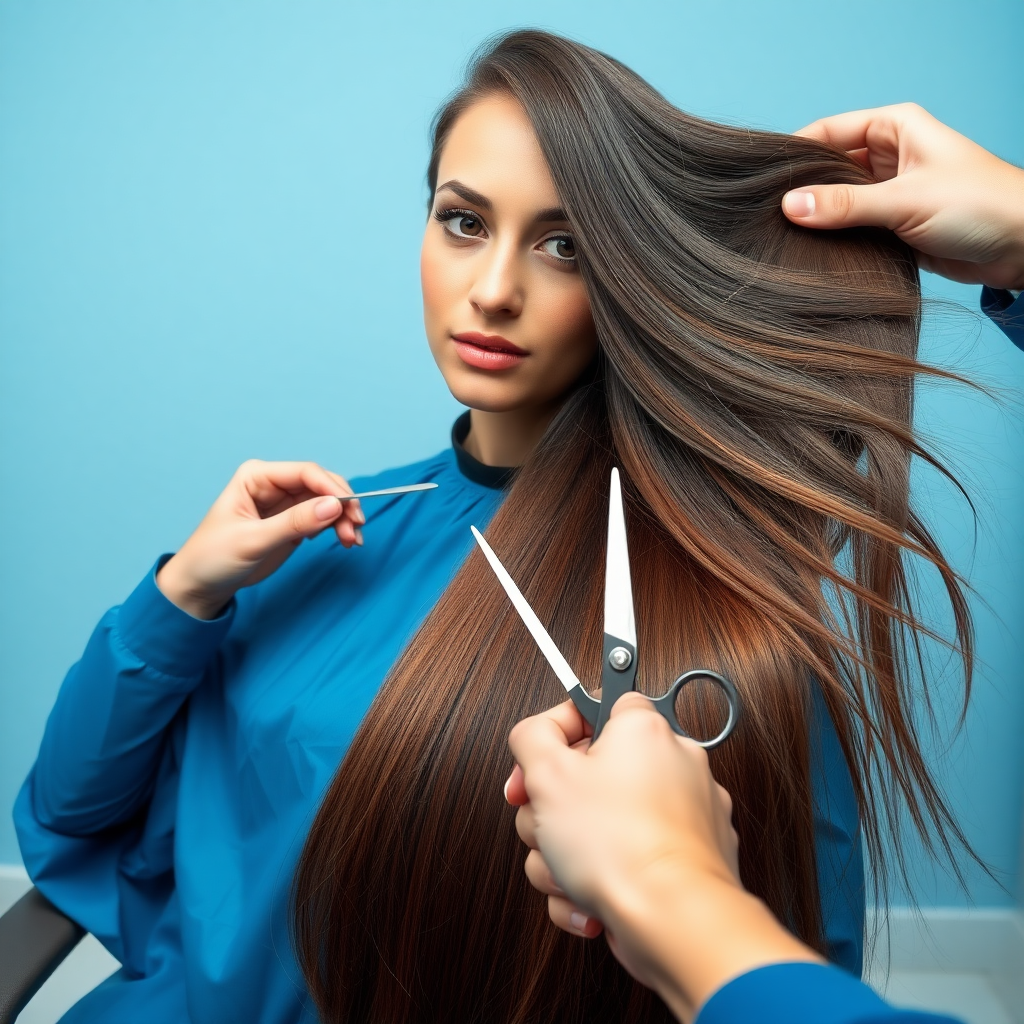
497	289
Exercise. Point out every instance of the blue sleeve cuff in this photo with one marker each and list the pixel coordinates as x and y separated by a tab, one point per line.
163	636
803	993
1006	311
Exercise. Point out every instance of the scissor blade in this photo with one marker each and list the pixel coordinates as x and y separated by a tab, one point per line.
407	489
618	590
559	665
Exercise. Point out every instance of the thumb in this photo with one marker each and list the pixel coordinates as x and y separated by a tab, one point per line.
306	519
844	206
630	703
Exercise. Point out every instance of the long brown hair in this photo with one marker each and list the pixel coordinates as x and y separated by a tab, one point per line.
754	385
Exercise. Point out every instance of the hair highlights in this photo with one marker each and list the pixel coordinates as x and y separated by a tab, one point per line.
754	385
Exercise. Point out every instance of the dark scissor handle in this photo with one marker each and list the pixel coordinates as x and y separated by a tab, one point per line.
665	705
589	707
618	676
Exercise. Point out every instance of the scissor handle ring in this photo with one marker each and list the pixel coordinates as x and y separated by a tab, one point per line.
666	704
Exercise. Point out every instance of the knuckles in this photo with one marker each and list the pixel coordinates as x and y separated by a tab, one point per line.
250	467
841	201
911	109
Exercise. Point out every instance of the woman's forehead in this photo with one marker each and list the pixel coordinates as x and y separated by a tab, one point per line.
492	148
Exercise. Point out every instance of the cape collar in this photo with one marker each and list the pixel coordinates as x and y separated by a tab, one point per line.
498	478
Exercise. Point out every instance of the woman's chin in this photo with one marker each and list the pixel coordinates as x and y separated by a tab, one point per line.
488	395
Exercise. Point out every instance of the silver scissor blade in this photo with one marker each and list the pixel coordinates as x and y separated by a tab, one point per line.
559	665
618	590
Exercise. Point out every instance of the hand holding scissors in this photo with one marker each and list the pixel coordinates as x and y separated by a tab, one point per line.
619	661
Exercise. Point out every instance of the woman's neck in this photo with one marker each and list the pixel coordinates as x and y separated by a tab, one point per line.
507	438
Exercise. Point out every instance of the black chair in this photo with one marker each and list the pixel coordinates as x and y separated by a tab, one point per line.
34	938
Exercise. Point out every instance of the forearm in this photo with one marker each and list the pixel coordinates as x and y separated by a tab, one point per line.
697	936
104	737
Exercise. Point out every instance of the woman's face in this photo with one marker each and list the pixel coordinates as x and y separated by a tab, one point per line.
506	313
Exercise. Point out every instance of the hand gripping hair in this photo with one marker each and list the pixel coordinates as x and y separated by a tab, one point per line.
754	384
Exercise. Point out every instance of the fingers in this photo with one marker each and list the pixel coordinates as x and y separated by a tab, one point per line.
634	713
526	826
268	482
725	799
515	788
845	206
567	916
347	528
306	519
632	702
844	131
547	733
539	875
276	488
562	911
851	130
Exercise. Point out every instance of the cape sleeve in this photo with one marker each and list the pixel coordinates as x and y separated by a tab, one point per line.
837	843
1006	311
802	993
95	816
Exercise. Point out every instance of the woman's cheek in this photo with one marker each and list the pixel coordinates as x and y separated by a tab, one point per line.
436	286
428	281
571	320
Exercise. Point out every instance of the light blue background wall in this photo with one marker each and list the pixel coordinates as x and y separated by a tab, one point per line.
209	221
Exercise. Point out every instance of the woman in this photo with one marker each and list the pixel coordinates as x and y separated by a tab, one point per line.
605	281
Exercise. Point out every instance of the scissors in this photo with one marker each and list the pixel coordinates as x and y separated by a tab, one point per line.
619	663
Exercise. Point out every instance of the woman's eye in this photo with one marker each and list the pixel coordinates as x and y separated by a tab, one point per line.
463	225
562	247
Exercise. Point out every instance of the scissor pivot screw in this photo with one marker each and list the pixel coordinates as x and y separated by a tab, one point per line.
620	659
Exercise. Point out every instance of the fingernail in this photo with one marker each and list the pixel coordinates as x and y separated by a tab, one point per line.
327	508
359	537
579	921
798	204
508	782
359	517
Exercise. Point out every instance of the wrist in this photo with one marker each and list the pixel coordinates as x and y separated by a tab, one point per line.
696	931
1013	197
181	591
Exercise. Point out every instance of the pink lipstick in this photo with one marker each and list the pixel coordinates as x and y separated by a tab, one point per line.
487	351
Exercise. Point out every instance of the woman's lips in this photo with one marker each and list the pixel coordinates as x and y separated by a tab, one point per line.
487	351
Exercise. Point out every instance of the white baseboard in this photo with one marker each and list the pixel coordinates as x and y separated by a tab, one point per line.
987	941
982	940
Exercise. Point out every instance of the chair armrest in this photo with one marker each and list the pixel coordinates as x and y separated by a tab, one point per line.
34	938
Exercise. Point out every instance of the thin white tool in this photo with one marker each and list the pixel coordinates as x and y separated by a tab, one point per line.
407	489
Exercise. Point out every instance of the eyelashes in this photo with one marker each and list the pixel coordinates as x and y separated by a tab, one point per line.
448	214
462	224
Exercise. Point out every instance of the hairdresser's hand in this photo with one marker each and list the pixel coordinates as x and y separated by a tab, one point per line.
261	517
959	206
635	834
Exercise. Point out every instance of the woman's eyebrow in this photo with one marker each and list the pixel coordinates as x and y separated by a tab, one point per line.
552	213
465	192
470	195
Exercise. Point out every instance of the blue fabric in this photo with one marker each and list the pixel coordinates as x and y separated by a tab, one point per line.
184	760
804	994
1006	311
837	844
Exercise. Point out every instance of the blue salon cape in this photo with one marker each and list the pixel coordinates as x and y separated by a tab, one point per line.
184	760
1007	310
805	994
